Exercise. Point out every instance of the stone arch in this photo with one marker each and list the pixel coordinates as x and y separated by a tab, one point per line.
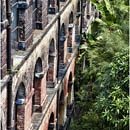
37	84
51	124
62	110
70	97
51	63
20	107
63	30
62	42
71	18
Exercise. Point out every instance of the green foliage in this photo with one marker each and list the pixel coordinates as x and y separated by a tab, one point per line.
103	99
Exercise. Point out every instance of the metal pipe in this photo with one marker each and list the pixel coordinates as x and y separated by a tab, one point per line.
8	36
58	48
57	110
9	85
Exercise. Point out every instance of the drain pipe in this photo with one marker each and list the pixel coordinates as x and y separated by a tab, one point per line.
58	49
9	85
58	42
81	6
8	36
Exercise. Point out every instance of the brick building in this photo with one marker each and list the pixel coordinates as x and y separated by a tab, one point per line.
39	44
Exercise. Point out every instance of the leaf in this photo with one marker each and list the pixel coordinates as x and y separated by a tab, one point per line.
108	6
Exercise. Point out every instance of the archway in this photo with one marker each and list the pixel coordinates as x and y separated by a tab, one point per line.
20	107
69	40
51	124
37	84
70	98
62	110
51	62
62	41
69	43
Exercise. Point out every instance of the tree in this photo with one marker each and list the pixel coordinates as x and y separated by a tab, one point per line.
103	94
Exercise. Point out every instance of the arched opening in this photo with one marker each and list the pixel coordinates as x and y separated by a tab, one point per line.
51	124
20	107
62	40
70	31
71	18
37	84
78	7
62	110
51	62
70	98
63	30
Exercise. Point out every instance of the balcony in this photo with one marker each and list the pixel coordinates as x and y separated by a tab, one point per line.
70	26
51	10
22	46
20	102
39	75
50	84
22	5
78	14
62	38
69	50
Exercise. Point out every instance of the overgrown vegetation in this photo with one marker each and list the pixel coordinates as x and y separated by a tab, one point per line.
103	97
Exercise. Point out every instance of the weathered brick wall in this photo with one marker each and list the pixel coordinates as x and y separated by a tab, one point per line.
43	89
3	53
3	10
26	72
28	112
20	117
3	39
25	23
44	12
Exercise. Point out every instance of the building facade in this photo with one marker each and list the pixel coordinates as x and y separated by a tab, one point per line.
39	44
